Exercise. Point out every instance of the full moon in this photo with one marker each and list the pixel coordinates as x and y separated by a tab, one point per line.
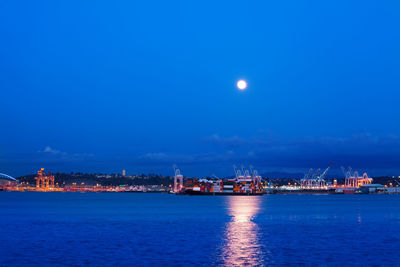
241	84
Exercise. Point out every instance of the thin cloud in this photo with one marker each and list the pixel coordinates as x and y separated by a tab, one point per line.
50	150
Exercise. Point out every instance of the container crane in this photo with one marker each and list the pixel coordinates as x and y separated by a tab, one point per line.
237	172
44	181
321	178
305	181
178	180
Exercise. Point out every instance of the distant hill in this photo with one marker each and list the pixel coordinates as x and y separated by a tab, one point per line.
104	179
280	175
298	175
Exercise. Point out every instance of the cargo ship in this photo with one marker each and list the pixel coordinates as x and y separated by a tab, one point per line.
244	182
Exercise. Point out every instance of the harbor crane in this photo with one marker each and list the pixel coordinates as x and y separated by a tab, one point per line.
315	180
237	172
44	181
306	180
178	180
214	176
352	179
256	177
245	172
321	178
346	173
316	174
307	175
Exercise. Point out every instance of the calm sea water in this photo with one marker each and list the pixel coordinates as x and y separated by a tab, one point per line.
161	229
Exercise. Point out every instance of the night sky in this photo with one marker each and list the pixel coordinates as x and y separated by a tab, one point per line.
98	86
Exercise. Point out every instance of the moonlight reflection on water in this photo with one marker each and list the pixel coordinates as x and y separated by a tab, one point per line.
242	245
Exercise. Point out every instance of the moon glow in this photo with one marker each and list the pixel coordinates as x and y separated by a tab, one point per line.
241	84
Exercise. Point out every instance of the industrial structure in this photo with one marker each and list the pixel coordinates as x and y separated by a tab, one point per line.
352	179
44	181
315	180
178	181
245	182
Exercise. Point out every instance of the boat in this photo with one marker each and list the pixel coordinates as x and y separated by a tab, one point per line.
243	183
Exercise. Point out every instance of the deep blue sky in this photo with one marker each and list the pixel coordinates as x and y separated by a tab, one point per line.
98	86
